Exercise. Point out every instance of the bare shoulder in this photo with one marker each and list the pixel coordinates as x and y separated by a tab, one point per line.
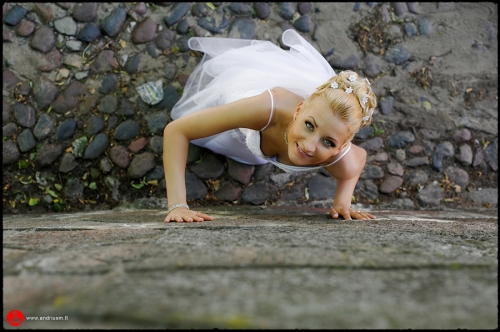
350	166
286	99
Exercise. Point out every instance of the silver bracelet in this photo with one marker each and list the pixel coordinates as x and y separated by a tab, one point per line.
175	206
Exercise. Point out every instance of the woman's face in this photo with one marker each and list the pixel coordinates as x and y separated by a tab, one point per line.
316	134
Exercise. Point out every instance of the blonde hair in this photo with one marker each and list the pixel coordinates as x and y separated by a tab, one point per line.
349	107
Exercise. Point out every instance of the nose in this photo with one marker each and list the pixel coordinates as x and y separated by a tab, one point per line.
310	146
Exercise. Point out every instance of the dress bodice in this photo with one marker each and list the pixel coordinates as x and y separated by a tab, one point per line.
252	139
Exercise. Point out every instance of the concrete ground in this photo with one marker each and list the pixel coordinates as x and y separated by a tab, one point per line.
252	267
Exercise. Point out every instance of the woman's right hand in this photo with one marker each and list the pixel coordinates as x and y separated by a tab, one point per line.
185	215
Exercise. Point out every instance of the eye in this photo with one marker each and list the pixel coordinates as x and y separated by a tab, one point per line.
329	143
309	126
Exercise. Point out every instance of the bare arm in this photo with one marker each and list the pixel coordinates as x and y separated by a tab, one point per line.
252	112
347	172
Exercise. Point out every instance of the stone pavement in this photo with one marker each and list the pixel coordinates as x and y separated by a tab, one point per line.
253	267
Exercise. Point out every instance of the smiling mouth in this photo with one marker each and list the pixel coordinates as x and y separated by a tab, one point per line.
302	153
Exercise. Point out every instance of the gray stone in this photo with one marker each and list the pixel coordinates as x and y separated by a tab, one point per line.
425	27
386	105
239	8
50	61
491	154
372	172
74	188
397	54
10	152
262	10
68	163
228	192
48	153
348	63
410	29
256	193
44	127
178	10
417	161
391	184
400	139
416	177
462	135
305	7
108	83
156	143
120	156
399	8
89	33
96	147
365	132
281	179
10	129
368	189
157	174
66	129
14	15
321	187
210	167
24	114
430	195
140	165
373	144
105	165
465	156
457	175
156	122
373	65
195	188
395	168
133	63
242	28
144	32
200	9
108	104
126	130
239	172
26	140
303	23
43	39
94	125
113	184
25	29
287	10
85	11
113	24
170	98
485	196
66	26
126	108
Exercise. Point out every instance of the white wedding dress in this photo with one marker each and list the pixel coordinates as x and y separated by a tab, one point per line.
232	69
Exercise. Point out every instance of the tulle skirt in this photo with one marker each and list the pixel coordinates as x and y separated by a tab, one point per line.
232	69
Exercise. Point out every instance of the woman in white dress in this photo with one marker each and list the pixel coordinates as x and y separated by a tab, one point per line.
256	103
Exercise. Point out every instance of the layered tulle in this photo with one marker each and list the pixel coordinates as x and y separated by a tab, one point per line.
232	69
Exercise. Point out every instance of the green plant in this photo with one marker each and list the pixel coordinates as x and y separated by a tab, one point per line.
141	184
377	131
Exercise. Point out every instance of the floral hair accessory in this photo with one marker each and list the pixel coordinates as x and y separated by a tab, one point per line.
352	77
348	90
365	118
334	85
364	100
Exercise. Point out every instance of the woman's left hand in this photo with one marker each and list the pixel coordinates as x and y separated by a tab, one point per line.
348	213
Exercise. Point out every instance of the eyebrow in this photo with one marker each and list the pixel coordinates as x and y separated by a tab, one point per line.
333	139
